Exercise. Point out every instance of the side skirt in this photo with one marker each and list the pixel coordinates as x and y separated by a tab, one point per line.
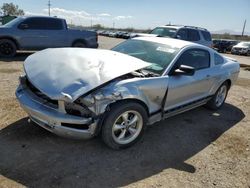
157	116
186	107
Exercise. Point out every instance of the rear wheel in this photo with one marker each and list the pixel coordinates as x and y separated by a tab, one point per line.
124	125
7	48
219	98
79	44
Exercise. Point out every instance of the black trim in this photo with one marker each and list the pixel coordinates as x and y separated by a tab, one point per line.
188	104
163	103
156	112
163	112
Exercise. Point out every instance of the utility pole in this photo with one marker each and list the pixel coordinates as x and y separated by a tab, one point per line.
49	5
91	22
113	24
243	30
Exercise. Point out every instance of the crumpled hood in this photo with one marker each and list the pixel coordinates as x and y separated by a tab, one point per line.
68	73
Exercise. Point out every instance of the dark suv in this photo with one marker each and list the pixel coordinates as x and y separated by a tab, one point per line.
224	45
190	33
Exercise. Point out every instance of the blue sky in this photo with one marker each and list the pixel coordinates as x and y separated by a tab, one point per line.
211	14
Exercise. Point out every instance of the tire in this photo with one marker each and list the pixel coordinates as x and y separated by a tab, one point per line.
79	44
119	134
219	98
248	53
7	48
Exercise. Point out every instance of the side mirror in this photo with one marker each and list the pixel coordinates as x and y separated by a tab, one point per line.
23	26
184	70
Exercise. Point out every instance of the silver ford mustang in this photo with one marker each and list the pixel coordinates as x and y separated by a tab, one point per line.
81	93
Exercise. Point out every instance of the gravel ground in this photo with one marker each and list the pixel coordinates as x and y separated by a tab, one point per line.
199	148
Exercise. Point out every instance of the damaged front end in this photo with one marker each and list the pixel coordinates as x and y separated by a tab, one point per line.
148	90
69	96
59	117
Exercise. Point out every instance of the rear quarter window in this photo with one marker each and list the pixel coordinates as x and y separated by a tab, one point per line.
218	60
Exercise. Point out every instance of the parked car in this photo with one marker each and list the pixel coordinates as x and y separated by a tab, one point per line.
125	35
224	45
36	32
243	48
112	34
120	34
189	33
118	93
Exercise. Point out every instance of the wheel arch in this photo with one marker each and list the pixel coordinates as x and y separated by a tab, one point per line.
105	114
229	83
12	39
79	40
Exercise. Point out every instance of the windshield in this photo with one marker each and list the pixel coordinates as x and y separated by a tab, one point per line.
159	55
13	22
164	31
246	44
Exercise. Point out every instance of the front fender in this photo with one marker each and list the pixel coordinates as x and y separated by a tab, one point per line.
150	91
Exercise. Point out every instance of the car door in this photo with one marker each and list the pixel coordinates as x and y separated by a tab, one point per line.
184	89
54	33
39	33
29	33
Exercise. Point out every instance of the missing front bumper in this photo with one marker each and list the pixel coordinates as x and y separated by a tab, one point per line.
52	119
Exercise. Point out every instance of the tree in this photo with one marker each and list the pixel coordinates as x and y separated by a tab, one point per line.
98	26
11	9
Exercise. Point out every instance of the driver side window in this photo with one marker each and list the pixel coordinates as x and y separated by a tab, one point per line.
196	58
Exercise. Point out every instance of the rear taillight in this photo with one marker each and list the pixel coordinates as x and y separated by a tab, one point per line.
96	37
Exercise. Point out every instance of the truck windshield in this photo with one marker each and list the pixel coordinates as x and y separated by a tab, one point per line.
13	22
164	32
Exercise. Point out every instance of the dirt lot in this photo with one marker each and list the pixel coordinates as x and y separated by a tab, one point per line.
199	148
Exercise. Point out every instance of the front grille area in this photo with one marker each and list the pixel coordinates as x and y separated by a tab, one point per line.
40	95
77	110
237	49
76	126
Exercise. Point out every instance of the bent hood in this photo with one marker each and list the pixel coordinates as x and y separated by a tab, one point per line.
68	73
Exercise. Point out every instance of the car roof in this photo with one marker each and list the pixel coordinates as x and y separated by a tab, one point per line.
30	16
171	26
183	26
176	43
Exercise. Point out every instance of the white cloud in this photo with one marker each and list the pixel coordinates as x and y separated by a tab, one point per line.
27	13
104	15
82	17
122	17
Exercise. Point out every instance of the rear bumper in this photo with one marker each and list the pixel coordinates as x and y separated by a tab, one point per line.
51	119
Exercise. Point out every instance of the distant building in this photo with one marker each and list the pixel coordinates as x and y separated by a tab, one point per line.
6	19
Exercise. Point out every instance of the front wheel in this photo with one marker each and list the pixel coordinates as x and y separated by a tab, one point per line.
219	98
7	48
124	125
